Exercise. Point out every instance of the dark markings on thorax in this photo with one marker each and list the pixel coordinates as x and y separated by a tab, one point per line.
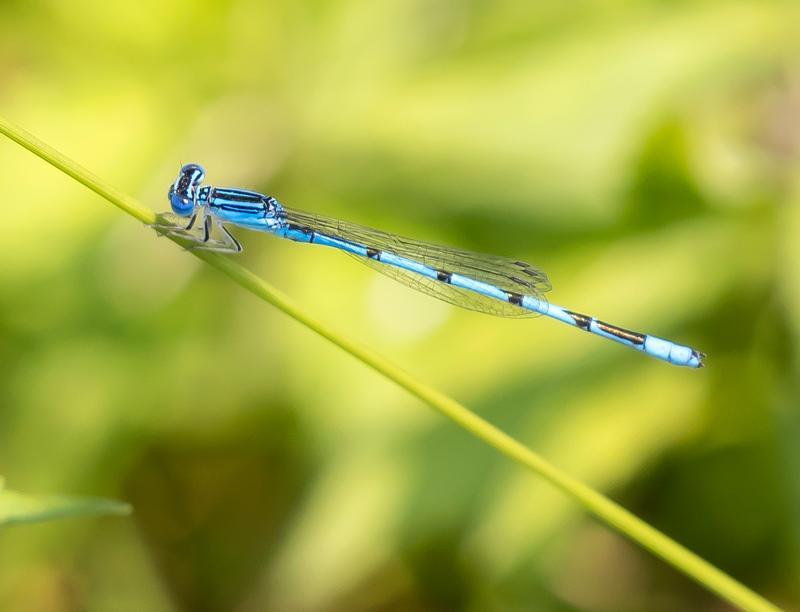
241	208
374	254
235	195
445	277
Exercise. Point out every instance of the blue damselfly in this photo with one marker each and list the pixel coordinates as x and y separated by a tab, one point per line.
485	283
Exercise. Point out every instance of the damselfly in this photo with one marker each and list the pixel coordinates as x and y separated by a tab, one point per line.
486	283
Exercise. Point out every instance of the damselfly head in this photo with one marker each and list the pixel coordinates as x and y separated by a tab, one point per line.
183	192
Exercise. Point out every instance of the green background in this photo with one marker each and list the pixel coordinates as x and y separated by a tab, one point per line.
645	154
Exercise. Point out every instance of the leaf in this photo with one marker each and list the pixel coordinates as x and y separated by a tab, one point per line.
21	508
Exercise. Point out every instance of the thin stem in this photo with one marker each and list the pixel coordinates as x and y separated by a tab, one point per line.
603	508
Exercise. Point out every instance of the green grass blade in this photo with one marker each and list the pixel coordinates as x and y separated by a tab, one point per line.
603	508
22	508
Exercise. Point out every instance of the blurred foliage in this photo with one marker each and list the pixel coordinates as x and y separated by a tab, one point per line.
646	154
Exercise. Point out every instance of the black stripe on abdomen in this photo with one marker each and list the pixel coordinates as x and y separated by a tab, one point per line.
584	322
514	298
620	332
581	320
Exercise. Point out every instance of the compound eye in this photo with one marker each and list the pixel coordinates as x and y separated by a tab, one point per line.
181	204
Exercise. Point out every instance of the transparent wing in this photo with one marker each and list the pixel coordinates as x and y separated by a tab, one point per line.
507	274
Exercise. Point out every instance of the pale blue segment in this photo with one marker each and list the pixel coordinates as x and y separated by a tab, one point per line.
459	280
406	264
539	305
669	351
658	347
340	244
548	310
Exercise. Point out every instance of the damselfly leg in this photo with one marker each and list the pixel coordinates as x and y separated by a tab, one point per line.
207	235
223	242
